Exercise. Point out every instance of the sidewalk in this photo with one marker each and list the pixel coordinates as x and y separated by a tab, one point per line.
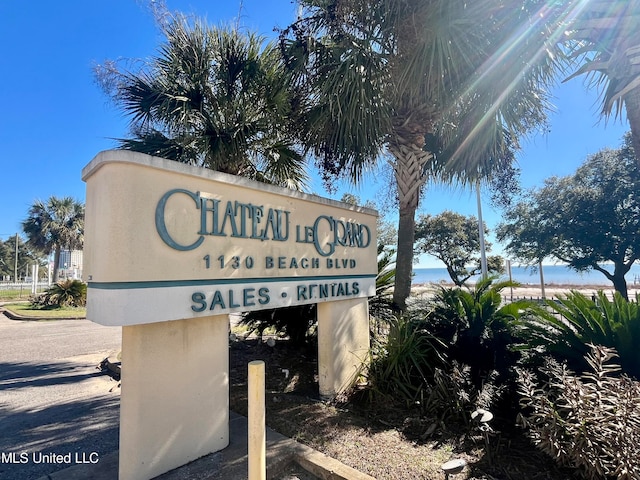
230	463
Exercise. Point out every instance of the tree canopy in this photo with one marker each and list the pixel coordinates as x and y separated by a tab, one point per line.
214	97
603	39
454	240
584	220
26	258
55	225
384	78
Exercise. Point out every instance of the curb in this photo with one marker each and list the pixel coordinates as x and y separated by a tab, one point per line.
281	453
324	467
29	318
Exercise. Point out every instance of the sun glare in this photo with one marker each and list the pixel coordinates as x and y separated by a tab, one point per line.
556	15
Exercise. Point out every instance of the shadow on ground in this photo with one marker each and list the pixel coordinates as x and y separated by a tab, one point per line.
60	408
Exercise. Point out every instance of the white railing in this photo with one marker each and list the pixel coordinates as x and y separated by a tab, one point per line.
24	286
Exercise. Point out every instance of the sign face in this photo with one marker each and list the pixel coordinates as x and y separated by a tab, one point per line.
168	241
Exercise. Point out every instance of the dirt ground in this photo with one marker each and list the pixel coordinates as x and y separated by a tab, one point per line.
387	445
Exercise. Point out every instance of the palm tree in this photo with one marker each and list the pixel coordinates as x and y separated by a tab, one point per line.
54	226
393	77
605	39
212	97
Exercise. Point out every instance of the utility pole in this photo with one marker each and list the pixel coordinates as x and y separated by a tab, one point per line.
483	253
15	266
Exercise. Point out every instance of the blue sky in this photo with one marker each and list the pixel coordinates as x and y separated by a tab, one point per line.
56	119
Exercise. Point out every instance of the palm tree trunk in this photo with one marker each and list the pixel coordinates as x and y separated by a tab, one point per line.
404	257
632	103
409	172
56	264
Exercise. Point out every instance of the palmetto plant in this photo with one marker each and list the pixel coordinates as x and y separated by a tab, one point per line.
569	327
404	361
70	293
477	326
386	270
604	41
380	306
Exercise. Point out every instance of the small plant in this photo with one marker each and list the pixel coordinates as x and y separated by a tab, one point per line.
477	326
404	361
295	322
567	328
589	421
67	293
381	305
448	396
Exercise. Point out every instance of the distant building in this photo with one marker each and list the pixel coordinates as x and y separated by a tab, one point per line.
70	265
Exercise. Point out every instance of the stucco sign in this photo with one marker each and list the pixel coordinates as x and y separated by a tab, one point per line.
167	241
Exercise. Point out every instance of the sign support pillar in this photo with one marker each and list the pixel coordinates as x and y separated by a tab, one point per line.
175	394
343	344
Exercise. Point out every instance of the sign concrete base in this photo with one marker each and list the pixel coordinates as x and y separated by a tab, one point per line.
343	344
175	394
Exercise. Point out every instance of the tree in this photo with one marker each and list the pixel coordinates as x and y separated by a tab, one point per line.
55	225
213	97
382	77
454	240
584	220
8	258
26	258
604	39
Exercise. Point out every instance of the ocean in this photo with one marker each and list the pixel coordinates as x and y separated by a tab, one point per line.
553	275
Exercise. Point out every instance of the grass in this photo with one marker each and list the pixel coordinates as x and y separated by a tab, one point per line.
15	294
28	310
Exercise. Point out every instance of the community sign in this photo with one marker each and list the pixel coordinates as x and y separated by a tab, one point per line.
169	241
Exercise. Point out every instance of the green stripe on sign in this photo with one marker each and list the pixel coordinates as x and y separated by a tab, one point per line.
214	282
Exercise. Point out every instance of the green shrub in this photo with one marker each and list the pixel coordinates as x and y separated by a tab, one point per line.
403	362
66	293
295	322
477	327
566	328
381	305
451	354
451	396
589	421
409	369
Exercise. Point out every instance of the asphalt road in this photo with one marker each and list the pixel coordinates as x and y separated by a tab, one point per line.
56	408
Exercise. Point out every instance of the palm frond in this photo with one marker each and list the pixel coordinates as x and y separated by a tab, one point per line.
217	98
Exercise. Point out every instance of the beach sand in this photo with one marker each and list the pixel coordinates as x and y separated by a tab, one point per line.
551	291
